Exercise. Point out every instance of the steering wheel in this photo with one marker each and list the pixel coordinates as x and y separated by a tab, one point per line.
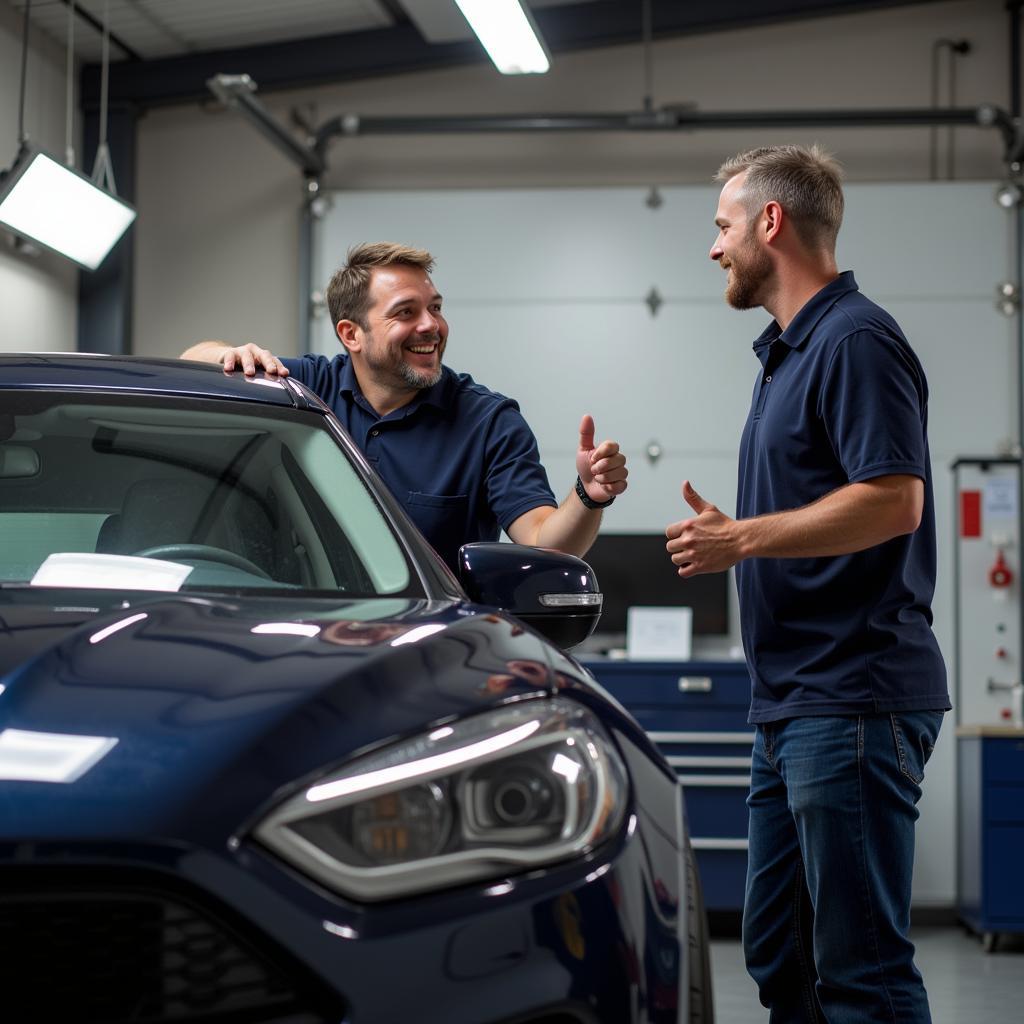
204	552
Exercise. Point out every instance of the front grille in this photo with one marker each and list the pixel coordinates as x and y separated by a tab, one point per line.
109	950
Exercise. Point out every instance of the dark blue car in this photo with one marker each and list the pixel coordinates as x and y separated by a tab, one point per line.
263	758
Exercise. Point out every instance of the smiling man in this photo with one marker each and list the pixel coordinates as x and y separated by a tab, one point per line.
460	457
834	548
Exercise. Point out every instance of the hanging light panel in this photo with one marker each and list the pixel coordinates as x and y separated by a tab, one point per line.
61	209
508	35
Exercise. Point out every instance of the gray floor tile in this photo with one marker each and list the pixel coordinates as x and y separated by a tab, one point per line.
965	984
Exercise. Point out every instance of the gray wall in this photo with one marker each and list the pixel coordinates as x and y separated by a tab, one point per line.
38	295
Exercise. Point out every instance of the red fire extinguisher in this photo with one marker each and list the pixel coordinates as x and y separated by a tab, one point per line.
1000	575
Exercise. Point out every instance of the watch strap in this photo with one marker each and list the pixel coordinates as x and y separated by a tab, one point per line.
588	501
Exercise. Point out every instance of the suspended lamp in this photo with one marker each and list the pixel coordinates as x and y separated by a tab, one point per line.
51	203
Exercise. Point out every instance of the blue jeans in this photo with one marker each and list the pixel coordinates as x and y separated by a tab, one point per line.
833	802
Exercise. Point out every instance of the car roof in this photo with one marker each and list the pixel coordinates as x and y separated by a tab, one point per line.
134	374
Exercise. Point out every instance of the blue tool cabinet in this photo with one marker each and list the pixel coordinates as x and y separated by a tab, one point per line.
696	711
991	830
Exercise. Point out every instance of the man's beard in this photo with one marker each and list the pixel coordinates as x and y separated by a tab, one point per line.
419	379
394	370
750	274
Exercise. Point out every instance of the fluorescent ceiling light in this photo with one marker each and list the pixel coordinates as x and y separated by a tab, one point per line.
61	209
508	35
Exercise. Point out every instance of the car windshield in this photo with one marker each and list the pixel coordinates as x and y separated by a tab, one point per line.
193	494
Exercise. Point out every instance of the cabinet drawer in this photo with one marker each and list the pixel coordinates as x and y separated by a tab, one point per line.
715	721
1004	760
681	689
723	875
733	740
715	812
727	748
1004	805
1004	895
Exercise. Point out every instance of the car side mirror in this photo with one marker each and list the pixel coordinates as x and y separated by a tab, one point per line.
555	593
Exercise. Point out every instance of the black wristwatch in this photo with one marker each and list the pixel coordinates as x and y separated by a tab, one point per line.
588	501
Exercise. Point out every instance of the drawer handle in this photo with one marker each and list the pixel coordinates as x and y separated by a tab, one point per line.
702	781
711	843
702	737
695	684
686	761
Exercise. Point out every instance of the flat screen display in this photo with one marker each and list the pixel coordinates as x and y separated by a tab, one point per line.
634	569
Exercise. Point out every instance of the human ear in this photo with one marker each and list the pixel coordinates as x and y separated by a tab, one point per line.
772	217
349	334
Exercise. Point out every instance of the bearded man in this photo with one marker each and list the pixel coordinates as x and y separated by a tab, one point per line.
460	458
834	548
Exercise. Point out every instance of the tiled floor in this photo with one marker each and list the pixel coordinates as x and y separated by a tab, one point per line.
965	985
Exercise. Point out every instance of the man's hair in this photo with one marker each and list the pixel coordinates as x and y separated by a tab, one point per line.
348	293
805	181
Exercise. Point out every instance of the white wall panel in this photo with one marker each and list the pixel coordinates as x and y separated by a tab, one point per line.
682	378
539	244
942	239
654	499
544	291
968	351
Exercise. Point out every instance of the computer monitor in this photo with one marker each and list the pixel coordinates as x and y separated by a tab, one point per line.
635	569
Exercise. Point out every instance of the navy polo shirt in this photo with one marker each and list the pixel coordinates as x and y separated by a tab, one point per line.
841	398
460	458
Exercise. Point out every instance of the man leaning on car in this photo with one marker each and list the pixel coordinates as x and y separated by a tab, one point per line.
460	458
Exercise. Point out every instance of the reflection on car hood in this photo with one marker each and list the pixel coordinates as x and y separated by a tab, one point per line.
215	704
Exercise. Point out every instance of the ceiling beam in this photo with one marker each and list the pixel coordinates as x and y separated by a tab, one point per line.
288	65
95	23
401	49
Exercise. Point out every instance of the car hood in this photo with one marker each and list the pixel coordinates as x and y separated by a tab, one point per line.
216	708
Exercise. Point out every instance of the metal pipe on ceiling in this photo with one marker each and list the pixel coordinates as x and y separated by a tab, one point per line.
677	118
238	92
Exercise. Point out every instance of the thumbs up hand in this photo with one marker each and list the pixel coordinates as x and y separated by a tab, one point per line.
708	542
602	469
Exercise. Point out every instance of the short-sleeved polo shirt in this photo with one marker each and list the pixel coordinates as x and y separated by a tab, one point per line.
840	398
460	458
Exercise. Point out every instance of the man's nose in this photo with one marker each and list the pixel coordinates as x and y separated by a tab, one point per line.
428	323
716	252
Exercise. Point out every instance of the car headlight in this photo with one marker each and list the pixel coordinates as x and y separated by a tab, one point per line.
528	784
